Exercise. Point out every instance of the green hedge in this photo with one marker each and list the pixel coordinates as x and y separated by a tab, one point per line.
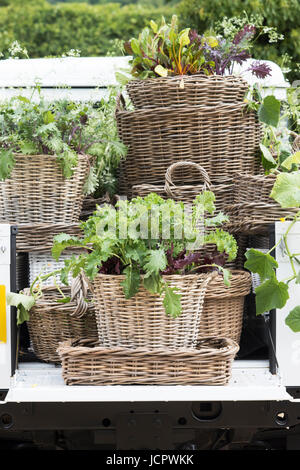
49	30
283	14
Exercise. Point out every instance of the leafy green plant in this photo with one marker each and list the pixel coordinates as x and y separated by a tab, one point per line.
280	120
65	129
144	239
164	50
273	293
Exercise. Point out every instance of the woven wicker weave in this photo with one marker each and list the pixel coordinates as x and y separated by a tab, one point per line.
253	209
37	191
223	139
187	193
222	314
51	322
84	362
198	90
141	321
90	204
39	237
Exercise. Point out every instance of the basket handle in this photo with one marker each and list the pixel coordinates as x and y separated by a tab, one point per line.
184	164
120	103
79	291
296	143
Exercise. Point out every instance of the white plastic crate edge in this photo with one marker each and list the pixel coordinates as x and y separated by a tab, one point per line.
43	263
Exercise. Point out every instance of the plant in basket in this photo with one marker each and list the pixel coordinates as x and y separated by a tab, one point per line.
162	50
53	152
144	262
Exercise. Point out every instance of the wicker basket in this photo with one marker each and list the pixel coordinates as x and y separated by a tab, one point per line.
223	139
141	321
84	362
39	237
90	205
253	209
198	90
222	314
38	193
51	322
187	193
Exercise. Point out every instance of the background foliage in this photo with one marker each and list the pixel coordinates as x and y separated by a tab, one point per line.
50	28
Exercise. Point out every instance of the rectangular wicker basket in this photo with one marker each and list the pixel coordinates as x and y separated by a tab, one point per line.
84	362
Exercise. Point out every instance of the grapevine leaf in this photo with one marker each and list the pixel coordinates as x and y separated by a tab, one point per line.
291	160
269	111
261	263
172	302
271	294
131	283
293	319
286	190
23	303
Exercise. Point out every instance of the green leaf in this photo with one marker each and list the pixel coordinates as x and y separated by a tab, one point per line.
267	154
286	190
172	301
219	219
48	117
153	283
156	262
269	111
161	71
205	202
261	263
291	160
293	319
23	303
135	47
61	242
122	78
270	295
131	283
7	162
154	26
28	148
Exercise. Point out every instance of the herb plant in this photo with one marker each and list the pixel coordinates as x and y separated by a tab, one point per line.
65	129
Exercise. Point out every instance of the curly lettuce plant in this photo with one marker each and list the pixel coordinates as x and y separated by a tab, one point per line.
144	239
64	129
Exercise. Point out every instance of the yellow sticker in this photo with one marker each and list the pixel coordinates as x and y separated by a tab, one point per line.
2	314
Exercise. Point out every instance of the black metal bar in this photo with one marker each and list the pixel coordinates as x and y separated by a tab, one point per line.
13	287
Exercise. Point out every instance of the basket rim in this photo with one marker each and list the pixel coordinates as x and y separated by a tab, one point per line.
227	347
213	77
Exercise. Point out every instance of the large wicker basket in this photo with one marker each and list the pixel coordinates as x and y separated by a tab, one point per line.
253	209
85	362
38	193
223	139
141	321
222	314
192	90
52	322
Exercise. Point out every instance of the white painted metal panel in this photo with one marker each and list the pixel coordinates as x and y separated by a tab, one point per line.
288	342
43	383
5	347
